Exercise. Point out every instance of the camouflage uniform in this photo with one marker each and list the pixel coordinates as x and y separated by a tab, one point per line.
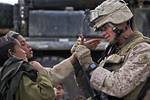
130	71
130	68
61	70
123	73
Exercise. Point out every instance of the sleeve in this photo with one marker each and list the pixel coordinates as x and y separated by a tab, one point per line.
61	70
134	71
42	89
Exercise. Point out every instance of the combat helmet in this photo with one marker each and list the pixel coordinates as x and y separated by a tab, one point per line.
114	11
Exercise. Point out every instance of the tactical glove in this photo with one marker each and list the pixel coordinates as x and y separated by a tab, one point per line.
83	55
75	45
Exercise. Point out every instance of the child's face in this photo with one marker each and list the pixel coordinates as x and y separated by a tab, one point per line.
25	46
59	91
19	52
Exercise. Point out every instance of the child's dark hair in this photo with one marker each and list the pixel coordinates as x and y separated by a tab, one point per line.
13	34
6	44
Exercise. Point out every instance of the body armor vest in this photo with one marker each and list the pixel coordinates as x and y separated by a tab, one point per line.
115	61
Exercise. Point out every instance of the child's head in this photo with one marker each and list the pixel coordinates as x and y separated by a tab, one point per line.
10	47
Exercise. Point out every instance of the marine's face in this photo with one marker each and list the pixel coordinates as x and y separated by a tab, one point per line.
25	46
107	32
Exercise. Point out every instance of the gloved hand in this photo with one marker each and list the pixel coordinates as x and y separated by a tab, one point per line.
83	55
78	42
91	44
37	66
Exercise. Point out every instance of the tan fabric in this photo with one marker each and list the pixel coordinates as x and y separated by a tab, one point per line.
147	97
75	45
112	11
114	58
133	71
83	54
42	89
60	71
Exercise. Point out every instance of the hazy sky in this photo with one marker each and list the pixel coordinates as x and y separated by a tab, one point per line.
9	1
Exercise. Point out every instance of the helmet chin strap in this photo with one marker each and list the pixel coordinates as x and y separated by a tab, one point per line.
117	31
119	34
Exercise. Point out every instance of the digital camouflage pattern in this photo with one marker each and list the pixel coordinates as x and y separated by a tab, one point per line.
127	74
60	71
114	11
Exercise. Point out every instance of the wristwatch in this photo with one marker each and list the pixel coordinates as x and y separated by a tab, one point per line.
91	67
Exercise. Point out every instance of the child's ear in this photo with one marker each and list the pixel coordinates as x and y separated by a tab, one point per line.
10	52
